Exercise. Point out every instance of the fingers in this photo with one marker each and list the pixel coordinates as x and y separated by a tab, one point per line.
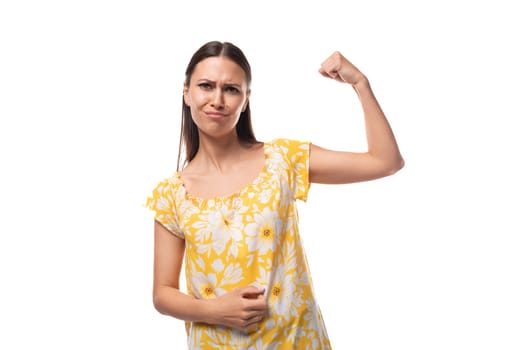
243	307
327	74
244	323
337	67
252	323
251	320
253	316
329	71
332	65
256	299
258	305
251	292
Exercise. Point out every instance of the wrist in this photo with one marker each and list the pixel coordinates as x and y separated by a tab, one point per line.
361	83
208	311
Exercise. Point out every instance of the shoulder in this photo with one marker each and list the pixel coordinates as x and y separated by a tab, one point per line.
286	143
289	152
290	147
164	197
168	184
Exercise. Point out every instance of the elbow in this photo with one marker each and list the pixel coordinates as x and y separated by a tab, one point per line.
395	166
158	302
398	165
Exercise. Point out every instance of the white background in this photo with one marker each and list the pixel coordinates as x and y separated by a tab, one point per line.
90	98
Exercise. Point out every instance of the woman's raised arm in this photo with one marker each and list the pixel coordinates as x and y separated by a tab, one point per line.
382	158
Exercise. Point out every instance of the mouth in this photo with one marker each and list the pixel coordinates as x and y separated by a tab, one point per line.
215	115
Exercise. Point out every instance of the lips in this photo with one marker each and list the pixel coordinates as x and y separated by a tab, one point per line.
215	115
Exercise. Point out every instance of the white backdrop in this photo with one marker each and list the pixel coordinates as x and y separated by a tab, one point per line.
90	94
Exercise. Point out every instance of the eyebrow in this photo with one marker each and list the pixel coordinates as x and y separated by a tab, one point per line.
204	80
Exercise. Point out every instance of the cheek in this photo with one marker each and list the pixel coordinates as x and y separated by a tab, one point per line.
195	99
239	103
195	115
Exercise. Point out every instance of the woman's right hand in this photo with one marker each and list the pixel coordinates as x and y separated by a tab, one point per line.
242	308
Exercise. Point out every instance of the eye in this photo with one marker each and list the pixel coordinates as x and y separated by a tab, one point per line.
205	86
232	90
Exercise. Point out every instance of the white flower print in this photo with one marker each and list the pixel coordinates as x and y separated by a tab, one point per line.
281	295
204	286
218	265
309	317
276	159
216	228
232	274
162	204
263	232
265	195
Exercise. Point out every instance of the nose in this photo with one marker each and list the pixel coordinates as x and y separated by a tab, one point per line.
218	99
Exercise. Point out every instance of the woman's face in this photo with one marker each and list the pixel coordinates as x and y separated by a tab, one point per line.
217	94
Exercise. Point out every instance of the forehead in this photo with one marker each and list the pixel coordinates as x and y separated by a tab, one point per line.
219	69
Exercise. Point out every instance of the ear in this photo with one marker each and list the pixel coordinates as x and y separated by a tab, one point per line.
247	100
185	94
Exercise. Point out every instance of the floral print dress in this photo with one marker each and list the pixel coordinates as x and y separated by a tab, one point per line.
250	237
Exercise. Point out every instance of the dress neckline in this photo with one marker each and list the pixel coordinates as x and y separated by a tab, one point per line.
234	194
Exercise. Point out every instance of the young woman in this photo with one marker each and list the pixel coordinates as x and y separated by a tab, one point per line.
230	212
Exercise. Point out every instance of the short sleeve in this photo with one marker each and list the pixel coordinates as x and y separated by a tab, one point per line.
163	203
297	154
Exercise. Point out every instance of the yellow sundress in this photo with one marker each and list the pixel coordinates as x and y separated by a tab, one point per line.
250	237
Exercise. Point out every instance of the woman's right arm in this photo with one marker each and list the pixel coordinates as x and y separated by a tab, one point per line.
241	308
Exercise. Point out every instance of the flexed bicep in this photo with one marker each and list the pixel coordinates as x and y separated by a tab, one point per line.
340	167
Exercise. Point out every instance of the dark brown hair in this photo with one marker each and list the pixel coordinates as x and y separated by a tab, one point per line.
189	134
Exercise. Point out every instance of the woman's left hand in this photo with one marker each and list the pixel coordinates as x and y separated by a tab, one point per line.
337	67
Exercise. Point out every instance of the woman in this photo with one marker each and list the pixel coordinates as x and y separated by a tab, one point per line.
231	210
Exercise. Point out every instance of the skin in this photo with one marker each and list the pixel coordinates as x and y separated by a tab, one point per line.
217	94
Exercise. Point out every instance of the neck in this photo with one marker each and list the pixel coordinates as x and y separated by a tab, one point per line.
218	154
